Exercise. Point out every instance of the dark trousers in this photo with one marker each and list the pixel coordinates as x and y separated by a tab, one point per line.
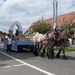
9	48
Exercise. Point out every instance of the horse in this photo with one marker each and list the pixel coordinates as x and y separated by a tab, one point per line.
66	34
62	43
46	39
37	42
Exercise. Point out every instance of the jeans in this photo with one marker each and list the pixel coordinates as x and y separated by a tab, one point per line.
9	48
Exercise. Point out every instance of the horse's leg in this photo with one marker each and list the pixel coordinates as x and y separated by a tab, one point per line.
40	47
35	50
64	56
49	53
42	54
58	54
52	52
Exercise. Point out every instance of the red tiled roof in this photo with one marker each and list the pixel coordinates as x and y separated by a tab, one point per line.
60	19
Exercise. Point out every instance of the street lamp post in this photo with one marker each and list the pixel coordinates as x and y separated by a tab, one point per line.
55	5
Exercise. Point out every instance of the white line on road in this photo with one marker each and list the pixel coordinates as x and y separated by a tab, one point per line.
32	66
12	66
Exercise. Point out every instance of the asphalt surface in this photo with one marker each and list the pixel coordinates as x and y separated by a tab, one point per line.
25	63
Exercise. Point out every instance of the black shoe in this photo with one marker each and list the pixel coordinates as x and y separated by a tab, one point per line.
10	51
7	50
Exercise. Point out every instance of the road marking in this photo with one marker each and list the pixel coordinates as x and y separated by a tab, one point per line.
12	66
32	66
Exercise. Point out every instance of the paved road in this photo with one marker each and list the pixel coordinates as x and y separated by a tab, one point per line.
25	63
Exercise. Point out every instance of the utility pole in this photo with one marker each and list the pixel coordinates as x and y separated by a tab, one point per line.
55	5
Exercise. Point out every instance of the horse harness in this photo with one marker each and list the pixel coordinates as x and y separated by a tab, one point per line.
49	40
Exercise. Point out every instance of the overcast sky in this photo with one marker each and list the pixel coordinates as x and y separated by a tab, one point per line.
28	11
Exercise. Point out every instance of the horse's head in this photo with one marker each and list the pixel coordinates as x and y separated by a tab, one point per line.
70	33
57	35
57	31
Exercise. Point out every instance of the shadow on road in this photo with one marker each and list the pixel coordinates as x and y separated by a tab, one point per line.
2	65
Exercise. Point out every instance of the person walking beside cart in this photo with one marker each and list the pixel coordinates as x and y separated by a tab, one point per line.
9	42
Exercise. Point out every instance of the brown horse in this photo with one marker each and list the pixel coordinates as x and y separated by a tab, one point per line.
68	33
46	39
62	43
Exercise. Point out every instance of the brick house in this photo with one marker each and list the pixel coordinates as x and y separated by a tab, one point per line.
60	19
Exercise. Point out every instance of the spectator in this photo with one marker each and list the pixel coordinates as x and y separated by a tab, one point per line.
9	42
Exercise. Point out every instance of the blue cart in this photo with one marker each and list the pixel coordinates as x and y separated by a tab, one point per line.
19	45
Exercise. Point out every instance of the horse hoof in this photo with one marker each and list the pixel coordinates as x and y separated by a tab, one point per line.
51	57
52	53
48	57
41	55
65	58
36	54
58	56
